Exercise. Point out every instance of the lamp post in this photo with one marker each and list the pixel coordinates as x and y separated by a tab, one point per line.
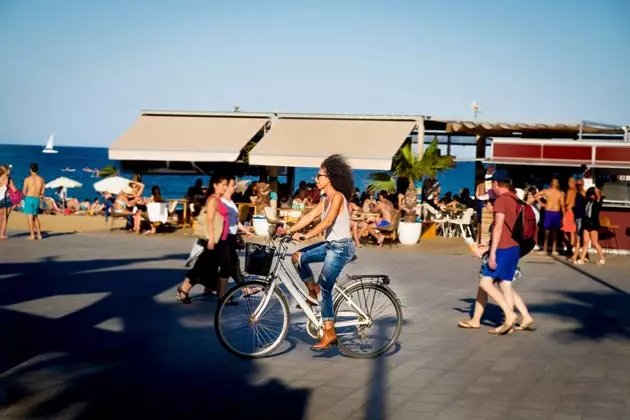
475	107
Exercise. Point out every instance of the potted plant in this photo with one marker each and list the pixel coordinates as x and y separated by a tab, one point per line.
407	166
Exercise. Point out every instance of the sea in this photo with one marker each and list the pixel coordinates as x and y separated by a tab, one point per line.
71	162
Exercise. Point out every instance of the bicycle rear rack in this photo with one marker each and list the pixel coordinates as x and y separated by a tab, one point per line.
375	278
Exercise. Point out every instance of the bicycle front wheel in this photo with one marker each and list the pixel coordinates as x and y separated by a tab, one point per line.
375	333
252	320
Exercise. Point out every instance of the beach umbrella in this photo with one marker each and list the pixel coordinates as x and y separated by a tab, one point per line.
112	184
62	181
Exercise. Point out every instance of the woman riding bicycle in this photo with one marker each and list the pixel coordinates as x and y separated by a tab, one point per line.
334	179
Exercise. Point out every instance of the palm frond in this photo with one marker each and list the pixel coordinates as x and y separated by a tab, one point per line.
381	181
107	171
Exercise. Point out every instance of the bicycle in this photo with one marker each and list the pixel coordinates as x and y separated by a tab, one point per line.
264	296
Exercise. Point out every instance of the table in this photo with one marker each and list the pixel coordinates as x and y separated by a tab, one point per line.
185	202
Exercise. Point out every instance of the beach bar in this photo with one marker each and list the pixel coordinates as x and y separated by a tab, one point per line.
533	159
270	143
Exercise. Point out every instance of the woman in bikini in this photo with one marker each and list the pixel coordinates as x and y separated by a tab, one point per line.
6	187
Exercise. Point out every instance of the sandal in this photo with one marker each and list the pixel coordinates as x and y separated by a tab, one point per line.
183	296
498	332
505	329
601	262
526	327
467	325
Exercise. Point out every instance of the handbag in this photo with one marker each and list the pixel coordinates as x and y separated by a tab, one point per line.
201	231
15	197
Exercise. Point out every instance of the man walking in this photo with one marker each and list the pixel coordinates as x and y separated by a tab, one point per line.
33	191
502	263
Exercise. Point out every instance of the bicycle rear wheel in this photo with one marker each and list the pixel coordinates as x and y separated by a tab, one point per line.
384	314
247	327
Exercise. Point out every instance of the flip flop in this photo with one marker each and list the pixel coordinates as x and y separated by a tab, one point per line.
467	326
495	332
526	327
507	328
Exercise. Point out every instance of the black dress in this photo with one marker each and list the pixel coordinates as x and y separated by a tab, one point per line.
591	218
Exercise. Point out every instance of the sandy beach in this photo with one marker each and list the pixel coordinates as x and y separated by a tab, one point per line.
57	224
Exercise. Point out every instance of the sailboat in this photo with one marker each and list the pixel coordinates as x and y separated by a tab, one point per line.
50	145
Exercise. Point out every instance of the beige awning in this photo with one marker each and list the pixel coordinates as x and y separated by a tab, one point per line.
303	142
186	138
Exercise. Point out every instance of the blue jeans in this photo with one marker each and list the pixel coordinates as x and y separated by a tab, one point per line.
335	255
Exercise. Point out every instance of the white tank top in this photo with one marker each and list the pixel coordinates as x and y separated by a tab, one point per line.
340	229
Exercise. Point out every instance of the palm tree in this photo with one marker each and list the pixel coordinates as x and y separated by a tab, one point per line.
107	171
408	166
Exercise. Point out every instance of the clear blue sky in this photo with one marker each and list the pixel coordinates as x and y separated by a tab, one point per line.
84	69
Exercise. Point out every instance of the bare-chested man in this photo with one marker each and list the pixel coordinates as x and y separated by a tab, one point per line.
33	192
386	209
552	221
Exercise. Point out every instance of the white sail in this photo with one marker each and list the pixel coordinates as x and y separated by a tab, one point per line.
50	145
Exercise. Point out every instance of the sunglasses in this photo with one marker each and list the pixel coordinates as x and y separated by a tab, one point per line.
320	175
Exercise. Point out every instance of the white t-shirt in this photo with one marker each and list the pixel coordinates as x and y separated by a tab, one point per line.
232	216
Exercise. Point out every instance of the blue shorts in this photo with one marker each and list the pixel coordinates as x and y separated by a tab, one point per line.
383	224
31	205
552	220
507	262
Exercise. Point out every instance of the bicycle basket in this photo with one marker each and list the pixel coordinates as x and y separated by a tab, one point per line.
258	259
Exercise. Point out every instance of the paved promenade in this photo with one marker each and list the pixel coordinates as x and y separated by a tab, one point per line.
90	328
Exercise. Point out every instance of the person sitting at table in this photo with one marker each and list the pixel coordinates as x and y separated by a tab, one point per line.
465	199
386	209
301	187
356	222
448	197
302	198
97	207
260	199
315	195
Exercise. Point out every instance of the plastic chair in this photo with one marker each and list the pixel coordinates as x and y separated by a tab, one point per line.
607	233
464	222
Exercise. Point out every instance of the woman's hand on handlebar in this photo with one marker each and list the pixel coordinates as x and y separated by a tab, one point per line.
298	237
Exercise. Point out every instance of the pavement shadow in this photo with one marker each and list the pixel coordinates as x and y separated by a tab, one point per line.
598	315
117	348
45	234
492	315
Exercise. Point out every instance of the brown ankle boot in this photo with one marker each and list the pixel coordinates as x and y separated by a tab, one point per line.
313	291
329	338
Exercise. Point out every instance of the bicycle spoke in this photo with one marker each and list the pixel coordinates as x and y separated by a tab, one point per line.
245	335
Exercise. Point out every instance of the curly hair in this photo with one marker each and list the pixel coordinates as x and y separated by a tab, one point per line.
340	175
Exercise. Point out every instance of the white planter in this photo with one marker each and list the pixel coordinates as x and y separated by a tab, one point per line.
409	233
261	226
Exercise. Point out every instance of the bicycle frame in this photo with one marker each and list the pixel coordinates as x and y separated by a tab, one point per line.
301	297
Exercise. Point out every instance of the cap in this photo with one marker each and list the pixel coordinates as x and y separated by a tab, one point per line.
501	176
